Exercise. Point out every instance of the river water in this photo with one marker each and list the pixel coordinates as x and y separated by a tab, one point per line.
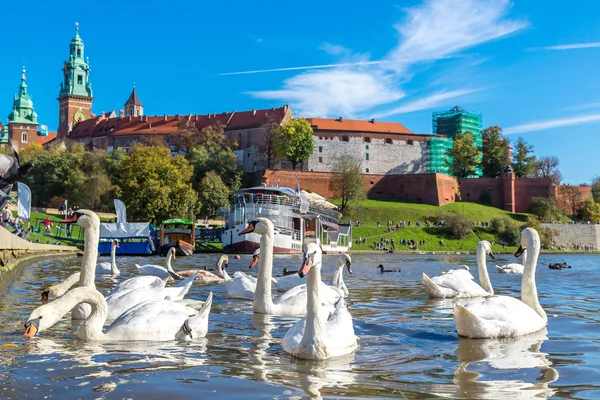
408	344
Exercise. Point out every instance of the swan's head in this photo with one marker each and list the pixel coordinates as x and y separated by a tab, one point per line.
255	258
40	319
465	267
115	244
529	239
312	255
347	261
45	295
223	261
260	225
487	248
85	218
172	252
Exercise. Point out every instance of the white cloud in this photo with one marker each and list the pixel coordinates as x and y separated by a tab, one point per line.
425	103
434	30
323	66
572	46
337	92
550	124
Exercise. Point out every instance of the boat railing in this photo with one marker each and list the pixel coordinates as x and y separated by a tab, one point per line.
264	199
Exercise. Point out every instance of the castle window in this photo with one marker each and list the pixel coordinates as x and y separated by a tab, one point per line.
409	142
345	139
116	141
367	140
320	159
367	157
388	141
248	155
79	79
366	147
367	170
320	149
94	142
87	141
78	52
24	137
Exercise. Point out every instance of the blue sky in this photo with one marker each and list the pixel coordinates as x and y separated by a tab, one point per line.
530	67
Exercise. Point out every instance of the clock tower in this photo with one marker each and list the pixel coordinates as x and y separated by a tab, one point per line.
75	97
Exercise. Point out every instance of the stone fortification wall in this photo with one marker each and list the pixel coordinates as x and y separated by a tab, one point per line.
575	234
401	156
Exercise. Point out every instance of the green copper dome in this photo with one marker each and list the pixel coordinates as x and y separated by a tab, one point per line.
23	105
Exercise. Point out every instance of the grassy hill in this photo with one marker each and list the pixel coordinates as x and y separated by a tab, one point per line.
371	211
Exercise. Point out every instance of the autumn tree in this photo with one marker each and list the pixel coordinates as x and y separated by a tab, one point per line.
494	149
464	157
214	194
547	167
596	189
294	141
571	198
347	183
267	144
157	186
524	162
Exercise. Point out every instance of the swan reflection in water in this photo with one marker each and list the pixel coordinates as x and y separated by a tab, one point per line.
487	356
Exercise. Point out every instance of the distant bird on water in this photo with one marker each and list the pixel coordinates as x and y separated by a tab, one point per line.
287	272
382	268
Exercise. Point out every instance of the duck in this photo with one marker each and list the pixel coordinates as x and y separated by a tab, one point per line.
203	275
287	272
452	285
558	265
155	320
292	302
109	268
505	316
320	334
157	270
382	268
55	291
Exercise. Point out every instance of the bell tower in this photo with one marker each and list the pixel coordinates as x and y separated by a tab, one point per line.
75	96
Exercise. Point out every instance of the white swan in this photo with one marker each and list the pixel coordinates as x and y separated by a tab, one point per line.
513	268
203	276
453	285
503	316
109	268
338	276
55	291
319	336
157	270
144	281
151	320
462	272
293	302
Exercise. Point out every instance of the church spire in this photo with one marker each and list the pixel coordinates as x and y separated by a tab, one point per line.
23	105
133	106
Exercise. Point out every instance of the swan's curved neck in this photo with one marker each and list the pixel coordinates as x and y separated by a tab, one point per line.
113	260
61	288
169	257
529	294
338	276
90	257
484	277
314	330
263	301
91	328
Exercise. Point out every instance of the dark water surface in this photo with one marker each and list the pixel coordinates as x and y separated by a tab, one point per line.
408	344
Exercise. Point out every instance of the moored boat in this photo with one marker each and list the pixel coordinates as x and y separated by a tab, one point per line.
177	233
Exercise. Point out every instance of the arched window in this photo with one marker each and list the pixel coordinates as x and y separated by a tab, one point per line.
78	52
388	141
24	137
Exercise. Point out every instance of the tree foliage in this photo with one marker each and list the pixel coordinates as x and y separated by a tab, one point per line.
523	162
267	145
214	194
590	211
506	231
545	208
156	186
347	183
596	189
571	198
547	167
457	225
494	150
294	141
464	156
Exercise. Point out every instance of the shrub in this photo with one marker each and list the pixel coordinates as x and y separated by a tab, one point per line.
507	233
457	225
545	208
547	235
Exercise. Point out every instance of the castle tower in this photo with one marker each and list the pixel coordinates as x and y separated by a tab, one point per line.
134	106
22	121
75	97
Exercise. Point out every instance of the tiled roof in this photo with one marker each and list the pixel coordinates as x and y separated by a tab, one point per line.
45	139
349	125
171	124
134	99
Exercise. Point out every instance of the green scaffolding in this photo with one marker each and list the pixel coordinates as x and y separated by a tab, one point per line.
446	125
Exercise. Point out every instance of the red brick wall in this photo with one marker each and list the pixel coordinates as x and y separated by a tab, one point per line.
474	189
528	188
564	197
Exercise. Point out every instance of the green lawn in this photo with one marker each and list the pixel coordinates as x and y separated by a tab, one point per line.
372	211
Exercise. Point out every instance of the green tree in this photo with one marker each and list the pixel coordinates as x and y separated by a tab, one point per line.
494	149
214	194
464	156
596	189
223	162
347	183
524	163
545	208
590	211
547	167
156	186
294	141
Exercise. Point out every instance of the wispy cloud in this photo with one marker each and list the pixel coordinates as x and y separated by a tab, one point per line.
323	66
427	102
434	30
572	46
552	123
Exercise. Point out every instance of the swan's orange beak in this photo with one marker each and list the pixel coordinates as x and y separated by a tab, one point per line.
253	263
249	229
306	266
30	329
45	296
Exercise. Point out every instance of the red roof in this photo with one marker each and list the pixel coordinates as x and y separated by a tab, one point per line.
350	125
45	139
171	124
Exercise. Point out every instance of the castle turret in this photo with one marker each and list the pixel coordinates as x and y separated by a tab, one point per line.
134	106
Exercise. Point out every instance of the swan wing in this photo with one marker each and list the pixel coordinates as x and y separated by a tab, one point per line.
240	287
103	268
122	301
462	287
288	282
293	302
139	282
155	270
339	331
461	274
